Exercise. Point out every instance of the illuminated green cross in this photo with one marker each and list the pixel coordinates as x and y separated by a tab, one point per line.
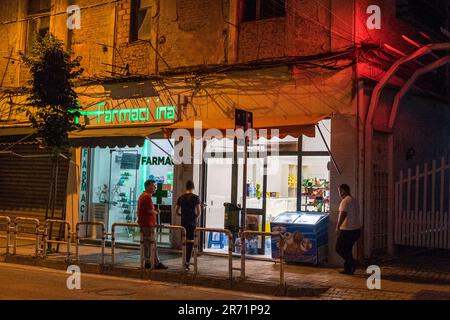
160	193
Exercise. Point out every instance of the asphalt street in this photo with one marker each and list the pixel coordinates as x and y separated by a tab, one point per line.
35	283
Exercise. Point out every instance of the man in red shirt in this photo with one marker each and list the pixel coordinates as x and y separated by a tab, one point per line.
146	218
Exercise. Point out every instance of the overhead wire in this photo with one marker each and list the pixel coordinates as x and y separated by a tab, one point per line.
307	65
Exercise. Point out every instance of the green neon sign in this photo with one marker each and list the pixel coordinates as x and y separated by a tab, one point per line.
163	113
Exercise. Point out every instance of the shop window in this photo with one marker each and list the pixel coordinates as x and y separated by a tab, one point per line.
38	21
274	184
140	28
117	177
38	6
281	187
315	184
315	181
263	9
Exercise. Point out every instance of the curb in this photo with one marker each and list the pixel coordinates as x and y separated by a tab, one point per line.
209	281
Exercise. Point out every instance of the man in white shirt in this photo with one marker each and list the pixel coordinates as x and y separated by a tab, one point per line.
348	228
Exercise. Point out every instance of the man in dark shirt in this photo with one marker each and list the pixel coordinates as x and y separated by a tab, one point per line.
188	207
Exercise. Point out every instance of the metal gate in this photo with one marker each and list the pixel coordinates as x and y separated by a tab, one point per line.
379	194
379	218
26	182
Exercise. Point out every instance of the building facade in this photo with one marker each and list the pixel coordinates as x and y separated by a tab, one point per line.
307	68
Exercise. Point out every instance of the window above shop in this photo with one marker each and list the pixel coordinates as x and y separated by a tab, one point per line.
38	6
140	25
38	22
263	9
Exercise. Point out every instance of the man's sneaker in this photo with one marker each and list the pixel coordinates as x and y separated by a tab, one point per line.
186	267
160	266
147	265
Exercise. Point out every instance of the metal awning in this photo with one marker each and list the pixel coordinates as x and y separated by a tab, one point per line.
10	136
16	131
89	137
113	137
293	126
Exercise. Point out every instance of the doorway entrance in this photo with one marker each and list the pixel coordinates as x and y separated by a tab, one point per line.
123	186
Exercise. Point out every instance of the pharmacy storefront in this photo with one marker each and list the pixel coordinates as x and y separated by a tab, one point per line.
113	178
121	146
296	179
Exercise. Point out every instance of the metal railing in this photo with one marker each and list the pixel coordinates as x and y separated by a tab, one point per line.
421	215
38	233
153	243
7	236
113	240
230	247
77	238
49	222
260	233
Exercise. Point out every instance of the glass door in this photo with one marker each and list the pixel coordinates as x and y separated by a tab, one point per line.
254	185
255	201
123	186
218	193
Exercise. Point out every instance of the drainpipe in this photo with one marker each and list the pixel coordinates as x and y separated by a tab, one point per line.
233	27
360	125
22	31
114	48
157	15
368	136
360	166
69	41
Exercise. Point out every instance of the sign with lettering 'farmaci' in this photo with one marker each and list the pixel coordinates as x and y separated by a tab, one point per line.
104	116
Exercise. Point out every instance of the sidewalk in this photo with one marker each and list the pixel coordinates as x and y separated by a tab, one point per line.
398	281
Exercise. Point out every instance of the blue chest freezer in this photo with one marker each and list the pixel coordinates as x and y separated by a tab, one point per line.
305	234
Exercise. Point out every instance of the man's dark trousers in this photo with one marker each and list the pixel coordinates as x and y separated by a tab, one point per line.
189	236
344	247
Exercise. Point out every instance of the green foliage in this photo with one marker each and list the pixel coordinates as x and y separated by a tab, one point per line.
52	102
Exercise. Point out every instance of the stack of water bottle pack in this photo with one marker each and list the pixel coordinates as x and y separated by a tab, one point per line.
251	245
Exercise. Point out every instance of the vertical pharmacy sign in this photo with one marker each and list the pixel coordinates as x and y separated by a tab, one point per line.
83	184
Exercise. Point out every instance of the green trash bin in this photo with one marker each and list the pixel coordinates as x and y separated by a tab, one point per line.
232	217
